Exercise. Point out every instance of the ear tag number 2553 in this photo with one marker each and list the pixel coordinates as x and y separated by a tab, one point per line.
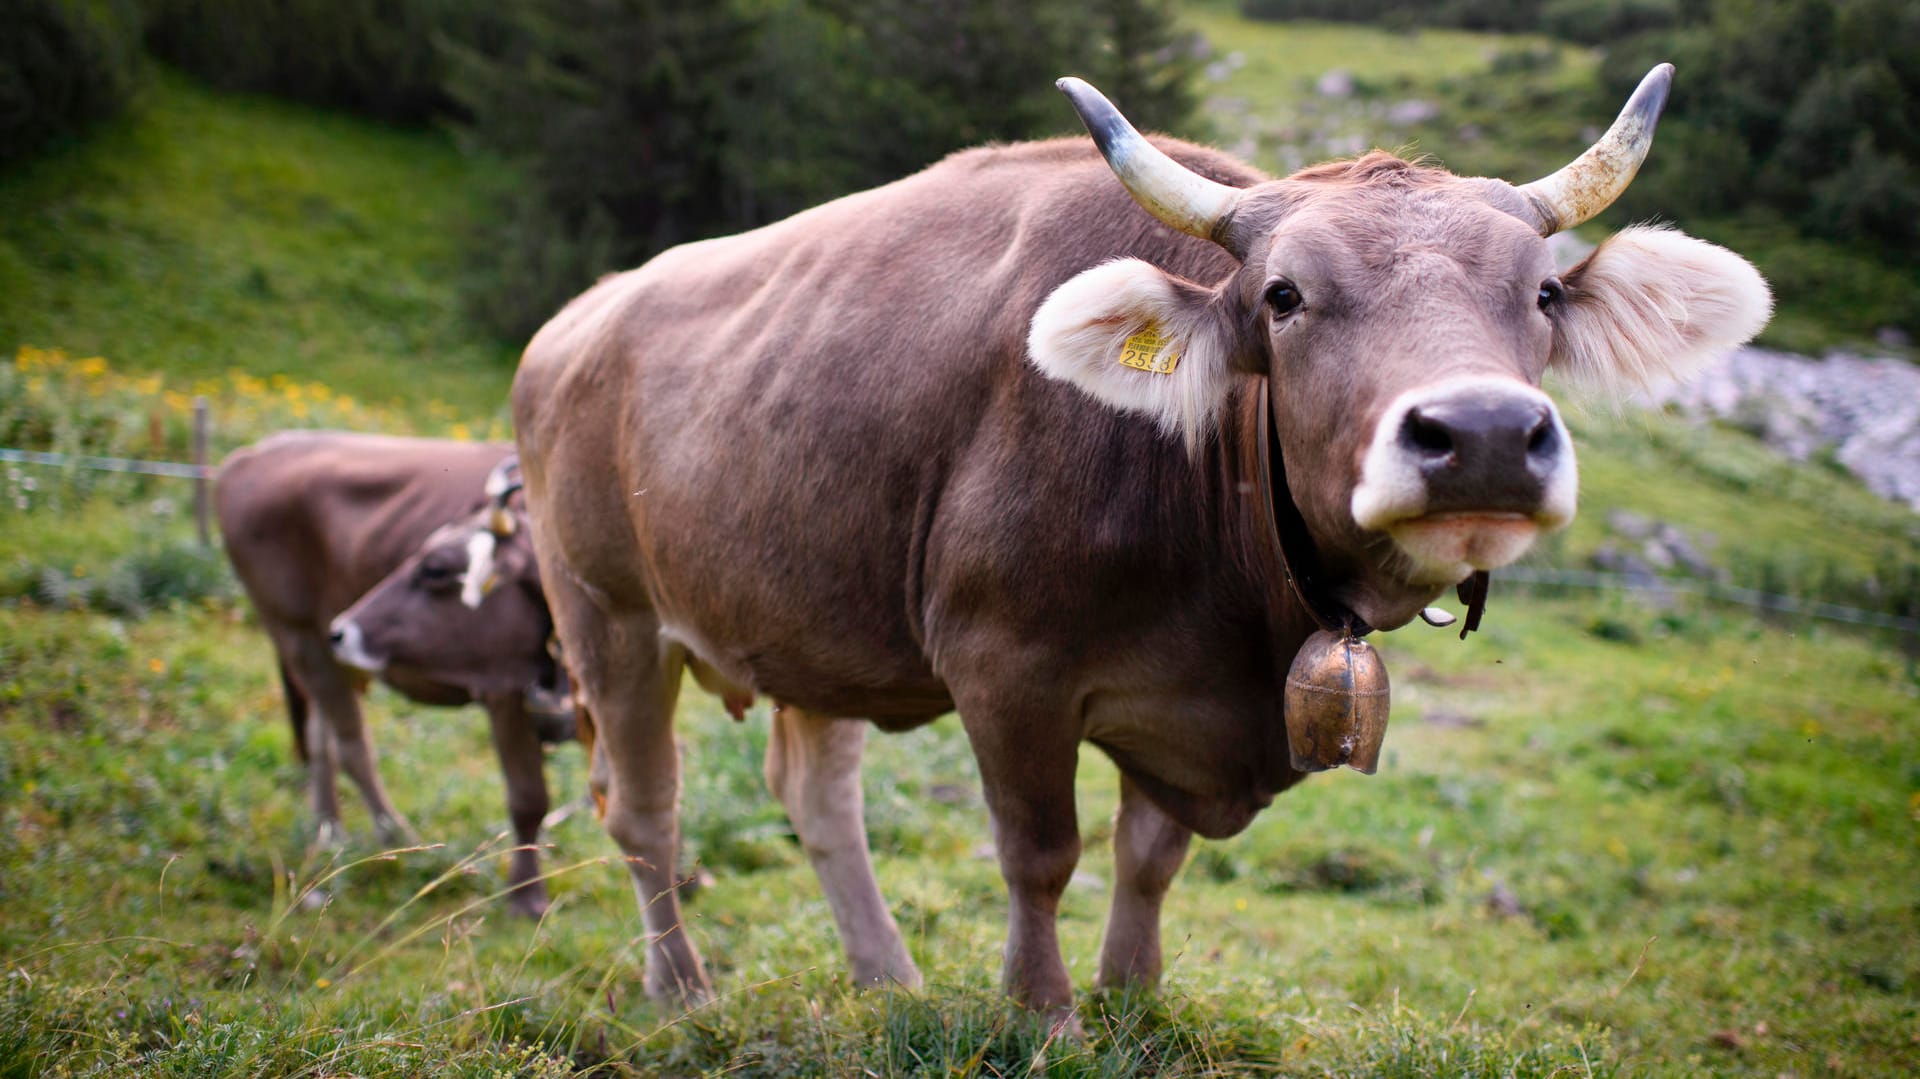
1150	351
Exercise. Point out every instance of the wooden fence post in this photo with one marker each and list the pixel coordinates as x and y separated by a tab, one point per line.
200	483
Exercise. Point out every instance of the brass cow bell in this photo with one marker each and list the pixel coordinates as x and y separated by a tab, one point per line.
1336	704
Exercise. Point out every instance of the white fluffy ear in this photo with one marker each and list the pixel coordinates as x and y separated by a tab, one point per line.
1083	330
1654	302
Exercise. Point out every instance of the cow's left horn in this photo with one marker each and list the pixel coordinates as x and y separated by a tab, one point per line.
502	482
1162	186
1590	183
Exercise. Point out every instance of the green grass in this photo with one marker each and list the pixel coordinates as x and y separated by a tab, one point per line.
203	232
1709	831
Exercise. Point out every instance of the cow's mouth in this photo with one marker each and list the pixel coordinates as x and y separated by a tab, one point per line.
1445	547
350	647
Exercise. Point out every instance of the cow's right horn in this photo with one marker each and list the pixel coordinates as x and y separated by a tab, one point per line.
1162	186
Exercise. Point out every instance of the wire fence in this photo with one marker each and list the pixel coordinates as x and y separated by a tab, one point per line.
1714	590
1595	580
197	470
176	469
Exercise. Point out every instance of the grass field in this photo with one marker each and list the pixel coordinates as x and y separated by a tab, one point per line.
1608	837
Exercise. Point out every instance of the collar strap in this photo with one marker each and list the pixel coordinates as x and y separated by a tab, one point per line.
1299	561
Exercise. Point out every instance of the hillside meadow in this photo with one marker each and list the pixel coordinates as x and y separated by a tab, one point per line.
1611	835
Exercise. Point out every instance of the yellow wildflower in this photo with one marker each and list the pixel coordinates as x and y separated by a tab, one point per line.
318	391
157	665
92	367
459	433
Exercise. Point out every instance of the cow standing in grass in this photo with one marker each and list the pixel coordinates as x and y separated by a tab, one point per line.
313	521
990	439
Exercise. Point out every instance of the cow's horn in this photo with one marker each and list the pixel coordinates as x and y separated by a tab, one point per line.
1590	183
1162	186
504	480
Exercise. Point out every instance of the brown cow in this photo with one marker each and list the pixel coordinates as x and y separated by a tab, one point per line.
842	460
312	522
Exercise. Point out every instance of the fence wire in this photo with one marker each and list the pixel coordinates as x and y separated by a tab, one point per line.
176	469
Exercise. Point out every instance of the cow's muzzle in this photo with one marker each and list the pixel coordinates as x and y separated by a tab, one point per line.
350	646
1465	475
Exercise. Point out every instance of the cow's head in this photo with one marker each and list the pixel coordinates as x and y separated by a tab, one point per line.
1404	317
464	610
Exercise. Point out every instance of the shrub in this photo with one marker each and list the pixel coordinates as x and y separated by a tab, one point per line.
64	64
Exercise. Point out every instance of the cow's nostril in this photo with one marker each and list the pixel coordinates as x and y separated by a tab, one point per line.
1426	434
334	638
1543	440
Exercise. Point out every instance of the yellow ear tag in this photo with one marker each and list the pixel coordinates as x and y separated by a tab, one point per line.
1150	352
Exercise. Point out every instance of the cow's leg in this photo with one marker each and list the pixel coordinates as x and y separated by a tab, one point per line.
1148	848
1027	760
627	679
516	738
337	737
813	768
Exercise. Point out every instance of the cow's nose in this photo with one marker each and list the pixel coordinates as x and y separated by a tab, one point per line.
1482	453
336	636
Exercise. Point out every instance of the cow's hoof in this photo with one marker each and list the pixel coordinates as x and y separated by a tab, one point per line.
528	906
396	832
329	836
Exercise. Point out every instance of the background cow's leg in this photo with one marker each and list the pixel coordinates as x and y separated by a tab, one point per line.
1027	760
813	768
627	679
1148	848
337	737
516	738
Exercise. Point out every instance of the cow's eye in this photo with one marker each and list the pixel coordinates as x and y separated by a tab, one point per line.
435	573
1283	298
1551	292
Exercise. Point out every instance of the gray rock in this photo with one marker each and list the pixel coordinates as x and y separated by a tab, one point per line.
1864	411
1414	111
1337	83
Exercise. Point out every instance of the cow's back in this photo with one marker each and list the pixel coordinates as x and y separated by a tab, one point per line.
312	519
765	438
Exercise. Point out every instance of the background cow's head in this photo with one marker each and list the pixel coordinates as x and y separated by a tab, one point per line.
1404	317
465	610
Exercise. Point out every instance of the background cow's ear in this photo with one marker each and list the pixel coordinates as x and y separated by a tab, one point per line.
1654	302
1140	340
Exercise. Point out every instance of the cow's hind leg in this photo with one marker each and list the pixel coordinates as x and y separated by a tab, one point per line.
1148	848
813	768
516	738
627	678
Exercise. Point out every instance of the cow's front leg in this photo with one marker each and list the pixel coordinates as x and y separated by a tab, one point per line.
516	739
336	736
813	768
1027	760
1148	848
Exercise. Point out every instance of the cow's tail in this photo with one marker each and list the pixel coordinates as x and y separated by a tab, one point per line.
296	712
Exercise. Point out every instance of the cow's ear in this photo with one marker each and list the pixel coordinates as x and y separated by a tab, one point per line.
1652	303
1140	340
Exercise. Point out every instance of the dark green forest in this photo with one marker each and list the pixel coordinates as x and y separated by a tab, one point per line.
1795	113
631	125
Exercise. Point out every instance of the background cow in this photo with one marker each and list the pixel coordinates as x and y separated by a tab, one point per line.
312	521
990	438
